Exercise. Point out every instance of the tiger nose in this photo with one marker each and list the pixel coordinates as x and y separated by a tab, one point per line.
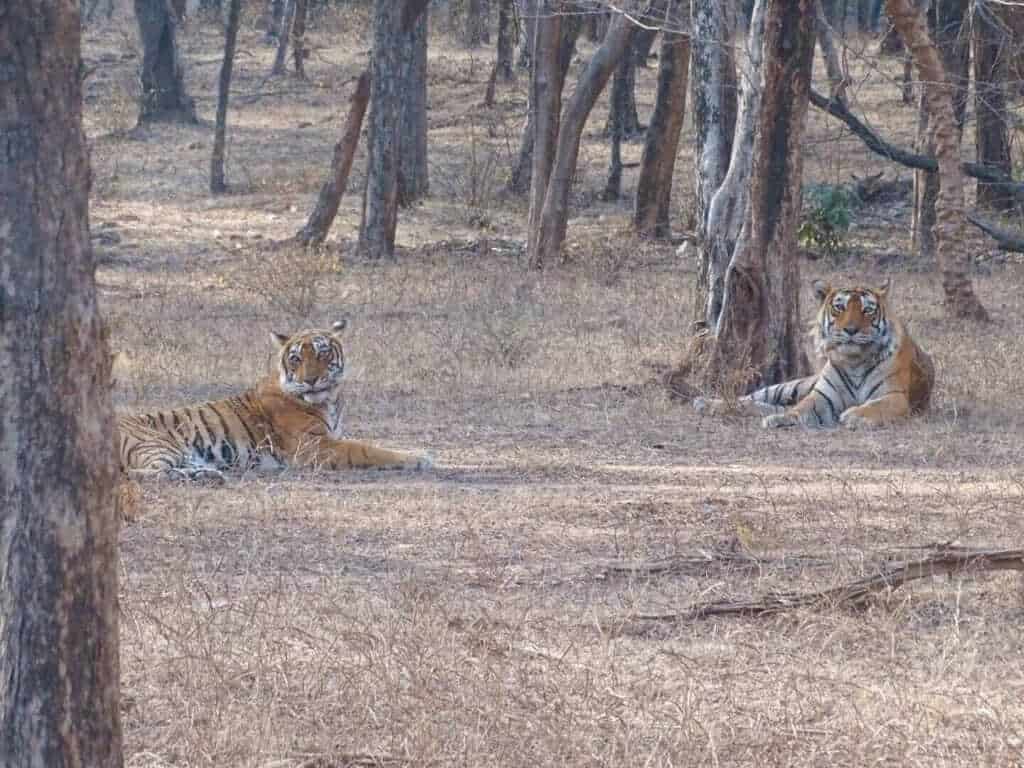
311	380
851	330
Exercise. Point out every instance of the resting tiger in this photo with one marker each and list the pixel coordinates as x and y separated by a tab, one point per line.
874	373
292	418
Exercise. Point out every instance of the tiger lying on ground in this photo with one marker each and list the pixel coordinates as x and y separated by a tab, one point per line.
874	373
292	418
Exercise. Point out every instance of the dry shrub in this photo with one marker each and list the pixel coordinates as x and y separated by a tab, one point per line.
473	178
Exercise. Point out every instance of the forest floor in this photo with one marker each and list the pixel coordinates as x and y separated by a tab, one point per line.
485	612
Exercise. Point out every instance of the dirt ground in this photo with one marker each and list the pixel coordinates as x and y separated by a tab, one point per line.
486	612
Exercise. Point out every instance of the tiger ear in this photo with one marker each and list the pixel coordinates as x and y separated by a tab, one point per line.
339	325
821	289
279	339
883	289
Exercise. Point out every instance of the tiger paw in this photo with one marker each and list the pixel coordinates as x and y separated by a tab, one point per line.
780	420
204	475
853	420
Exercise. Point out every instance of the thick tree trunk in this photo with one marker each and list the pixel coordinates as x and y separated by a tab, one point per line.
657	164
714	110
217	183
961	300
320	220
413	174
756	337
522	172
299	38
545	103
992	49
59	677
163	82
505	54
283	35
554	217
393	25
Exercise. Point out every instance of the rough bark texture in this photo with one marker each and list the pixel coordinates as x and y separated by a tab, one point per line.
992	48
522	172
961	300
320	220
545	105
59	672
755	339
657	164
413	174
506	52
299	38
284	33
217	183
714	96
163	81
554	216
393	26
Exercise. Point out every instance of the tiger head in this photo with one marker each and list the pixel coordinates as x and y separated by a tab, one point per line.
311	363
851	326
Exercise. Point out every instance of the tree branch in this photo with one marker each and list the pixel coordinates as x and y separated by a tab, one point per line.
1007	240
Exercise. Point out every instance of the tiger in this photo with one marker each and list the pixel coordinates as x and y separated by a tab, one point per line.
873	372
292	418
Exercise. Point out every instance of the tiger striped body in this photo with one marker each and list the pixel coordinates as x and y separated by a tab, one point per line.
291	419
874	373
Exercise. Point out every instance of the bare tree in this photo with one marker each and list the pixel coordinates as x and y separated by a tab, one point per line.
163	81
960	298
320	220
751	312
217	183
284	32
528	17
505	53
476	31
992	46
413	172
623	118
59	680
299	38
545	244
657	164
393	25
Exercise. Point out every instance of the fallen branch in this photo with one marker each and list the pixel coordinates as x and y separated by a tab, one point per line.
948	560
905	157
1007	240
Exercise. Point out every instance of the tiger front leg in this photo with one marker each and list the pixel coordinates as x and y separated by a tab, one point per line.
878	412
815	410
353	454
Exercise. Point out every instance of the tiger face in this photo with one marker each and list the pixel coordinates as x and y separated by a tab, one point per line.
311	363
852	323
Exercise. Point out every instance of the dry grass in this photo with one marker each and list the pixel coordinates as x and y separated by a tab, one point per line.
468	615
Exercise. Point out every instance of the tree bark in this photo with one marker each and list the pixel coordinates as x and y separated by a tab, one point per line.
657	164
299	38
413	173
756	335
522	173
960	298
283	35
217	183
475	30
163	82
320	220
623	119
547	243
59	677
275	13
393	25
837	80
528	14
992	47
505	54
713	71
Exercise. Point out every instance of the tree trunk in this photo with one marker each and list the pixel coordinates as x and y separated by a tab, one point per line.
299	38
657	164
623	119
961	300
545	105
756	336
945	21
163	82
476	32
413	174
522	173
59	677
275	14
393	25
613	186
547	243
837	80
992	46
320	220
217	183
503	64
283	35
714	110
529	17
